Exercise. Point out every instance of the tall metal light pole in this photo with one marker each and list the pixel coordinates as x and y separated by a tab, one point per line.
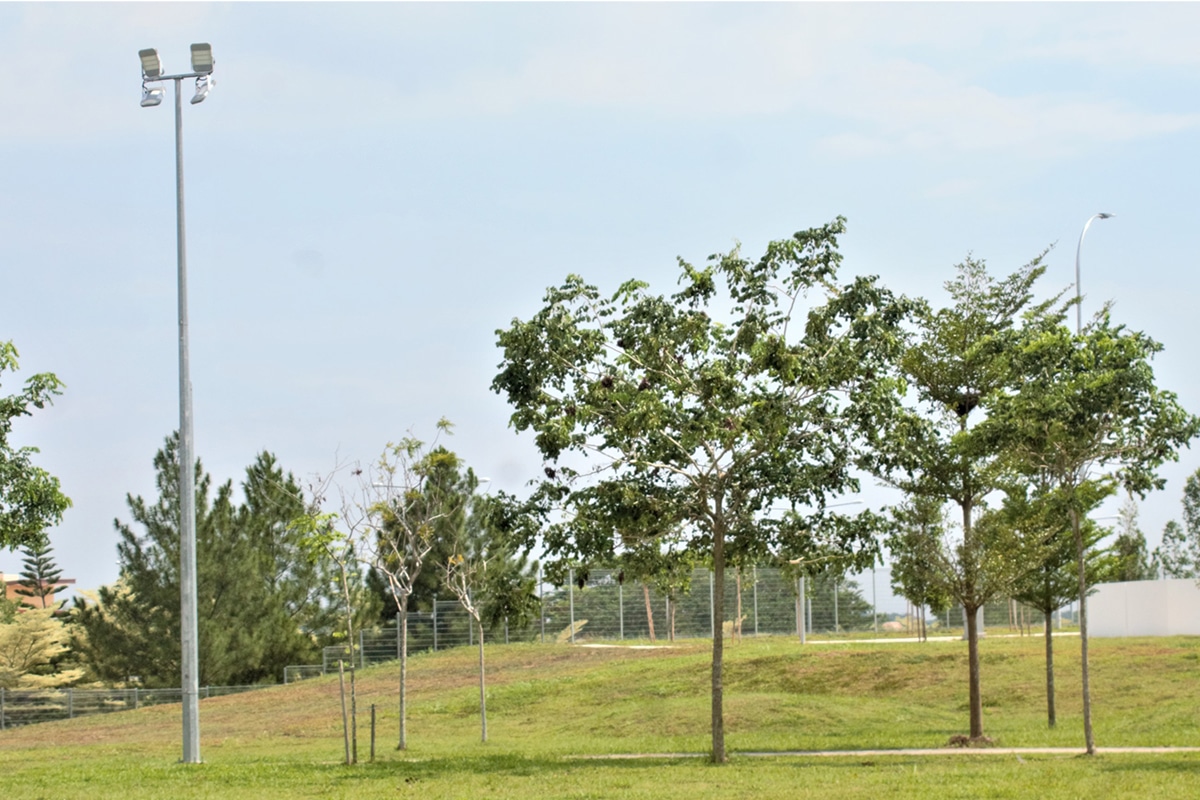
1078	250
202	67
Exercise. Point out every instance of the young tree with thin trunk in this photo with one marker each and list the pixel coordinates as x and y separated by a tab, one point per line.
700	410
958	360
417	498
916	547
1087	409
334	539
1052	583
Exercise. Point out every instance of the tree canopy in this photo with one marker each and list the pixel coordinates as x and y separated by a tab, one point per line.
727	410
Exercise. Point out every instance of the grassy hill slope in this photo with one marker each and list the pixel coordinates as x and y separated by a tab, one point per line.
548	703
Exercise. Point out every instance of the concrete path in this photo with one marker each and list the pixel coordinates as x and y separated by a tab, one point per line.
933	751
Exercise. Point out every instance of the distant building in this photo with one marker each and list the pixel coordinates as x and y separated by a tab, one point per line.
1145	608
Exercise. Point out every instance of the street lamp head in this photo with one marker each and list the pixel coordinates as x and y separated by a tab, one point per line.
1105	215
202	58
151	66
151	96
204	85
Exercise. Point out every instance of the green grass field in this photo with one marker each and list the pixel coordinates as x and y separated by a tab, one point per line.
549	705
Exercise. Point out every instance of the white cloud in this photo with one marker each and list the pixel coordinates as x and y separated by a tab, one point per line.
865	80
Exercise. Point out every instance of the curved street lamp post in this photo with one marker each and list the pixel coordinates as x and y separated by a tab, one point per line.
1078	250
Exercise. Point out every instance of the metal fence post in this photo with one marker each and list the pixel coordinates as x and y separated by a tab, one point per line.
70	703
362	651
398	653
135	698
621	608
571	596
435	623
754	576
712	607
874	605
804	603
1	708
542	603
837	628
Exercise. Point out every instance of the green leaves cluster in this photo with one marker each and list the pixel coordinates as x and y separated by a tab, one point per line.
30	498
706	407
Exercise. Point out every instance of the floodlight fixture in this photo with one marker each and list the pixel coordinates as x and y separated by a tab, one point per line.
202	58
204	85
151	96
151	65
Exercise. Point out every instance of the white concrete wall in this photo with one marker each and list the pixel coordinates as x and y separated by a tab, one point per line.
1145	608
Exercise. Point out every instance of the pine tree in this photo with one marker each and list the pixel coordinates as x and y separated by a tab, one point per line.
262	604
40	577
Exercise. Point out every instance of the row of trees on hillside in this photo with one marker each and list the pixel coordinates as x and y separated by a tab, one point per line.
729	414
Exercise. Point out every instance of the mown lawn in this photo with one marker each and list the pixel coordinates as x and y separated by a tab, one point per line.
548	705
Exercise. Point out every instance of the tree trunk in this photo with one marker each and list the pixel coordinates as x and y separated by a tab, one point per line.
1049	673
403	634
1083	635
649	610
718	715
345	719
353	712
482	686
976	696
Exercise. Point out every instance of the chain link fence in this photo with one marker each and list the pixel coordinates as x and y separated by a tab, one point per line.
600	605
26	706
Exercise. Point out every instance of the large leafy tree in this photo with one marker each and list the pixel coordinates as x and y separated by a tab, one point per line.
702	410
959	359
30	497
1087	409
262	605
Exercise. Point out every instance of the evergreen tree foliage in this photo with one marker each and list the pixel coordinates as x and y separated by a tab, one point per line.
39	575
262	604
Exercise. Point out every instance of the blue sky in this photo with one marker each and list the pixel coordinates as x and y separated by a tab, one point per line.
373	189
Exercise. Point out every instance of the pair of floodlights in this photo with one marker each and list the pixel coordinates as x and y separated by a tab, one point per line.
152	72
